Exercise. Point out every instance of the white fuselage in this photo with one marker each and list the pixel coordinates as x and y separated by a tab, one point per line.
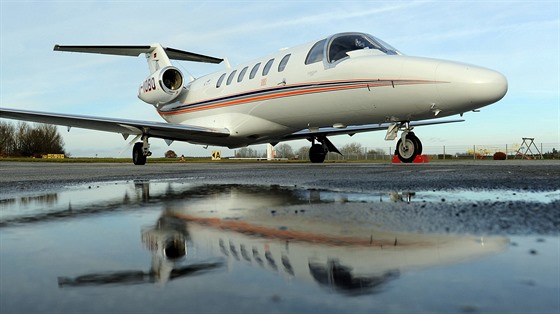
367	86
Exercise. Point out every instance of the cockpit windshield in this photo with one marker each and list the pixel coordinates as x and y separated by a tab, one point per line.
390	49
340	44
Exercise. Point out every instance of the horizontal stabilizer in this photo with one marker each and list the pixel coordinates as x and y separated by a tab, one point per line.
135	51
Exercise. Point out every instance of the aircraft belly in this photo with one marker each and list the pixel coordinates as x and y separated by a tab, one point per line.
252	122
406	103
354	107
245	128
318	109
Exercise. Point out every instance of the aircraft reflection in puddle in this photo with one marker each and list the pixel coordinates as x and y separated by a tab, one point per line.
299	234
316	242
167	243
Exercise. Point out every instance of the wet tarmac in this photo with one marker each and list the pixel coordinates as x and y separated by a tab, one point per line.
451	238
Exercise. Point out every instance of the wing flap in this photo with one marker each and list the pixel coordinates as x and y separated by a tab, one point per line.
167	131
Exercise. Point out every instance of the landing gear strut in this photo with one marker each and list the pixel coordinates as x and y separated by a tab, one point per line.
408	146
141	151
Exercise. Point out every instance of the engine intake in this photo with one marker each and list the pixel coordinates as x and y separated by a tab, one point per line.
162	86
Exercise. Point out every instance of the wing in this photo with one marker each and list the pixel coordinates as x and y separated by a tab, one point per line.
125	127
351	130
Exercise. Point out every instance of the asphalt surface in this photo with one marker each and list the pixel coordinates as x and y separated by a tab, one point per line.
525	175
493	197
83	221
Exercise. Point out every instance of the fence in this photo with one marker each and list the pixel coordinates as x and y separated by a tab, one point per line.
512	151
443	152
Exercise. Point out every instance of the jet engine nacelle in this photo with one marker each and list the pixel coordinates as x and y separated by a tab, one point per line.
162	86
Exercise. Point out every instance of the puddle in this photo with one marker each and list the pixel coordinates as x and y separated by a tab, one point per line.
173	245
109	196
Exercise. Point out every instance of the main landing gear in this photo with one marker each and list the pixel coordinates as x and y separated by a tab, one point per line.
141	151
318	151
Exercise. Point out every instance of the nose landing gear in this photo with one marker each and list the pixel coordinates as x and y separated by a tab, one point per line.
408	147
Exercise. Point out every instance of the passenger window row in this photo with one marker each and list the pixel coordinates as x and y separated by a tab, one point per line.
254	71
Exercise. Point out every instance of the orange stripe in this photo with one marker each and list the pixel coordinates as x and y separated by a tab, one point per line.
267	97
297	92
289	235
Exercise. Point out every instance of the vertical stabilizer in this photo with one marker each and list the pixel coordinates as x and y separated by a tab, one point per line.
157	58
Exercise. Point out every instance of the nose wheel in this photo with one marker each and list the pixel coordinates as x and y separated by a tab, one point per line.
408	147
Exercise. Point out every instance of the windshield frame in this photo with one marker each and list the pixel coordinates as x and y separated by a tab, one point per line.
332	56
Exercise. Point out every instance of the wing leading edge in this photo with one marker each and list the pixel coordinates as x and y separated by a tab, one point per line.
353	129
180	132
125	127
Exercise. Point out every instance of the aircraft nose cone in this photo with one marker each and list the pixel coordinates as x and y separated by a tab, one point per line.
486	86
476	86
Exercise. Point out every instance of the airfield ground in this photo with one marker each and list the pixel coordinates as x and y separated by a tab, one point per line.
83	237
533	175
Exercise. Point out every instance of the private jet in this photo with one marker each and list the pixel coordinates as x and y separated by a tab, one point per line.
346	83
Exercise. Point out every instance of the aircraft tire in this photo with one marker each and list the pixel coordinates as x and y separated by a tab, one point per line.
138	157
418	143
317	154
408	151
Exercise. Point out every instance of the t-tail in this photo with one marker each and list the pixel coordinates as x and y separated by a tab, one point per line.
165	82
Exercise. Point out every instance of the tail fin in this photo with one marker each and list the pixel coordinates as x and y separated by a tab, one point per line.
158	56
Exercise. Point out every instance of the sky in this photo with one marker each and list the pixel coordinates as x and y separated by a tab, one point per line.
520	39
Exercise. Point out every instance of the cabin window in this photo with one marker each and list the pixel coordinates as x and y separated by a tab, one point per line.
254	71
242	74
316	52
267	67
220	80
230	77
283	63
